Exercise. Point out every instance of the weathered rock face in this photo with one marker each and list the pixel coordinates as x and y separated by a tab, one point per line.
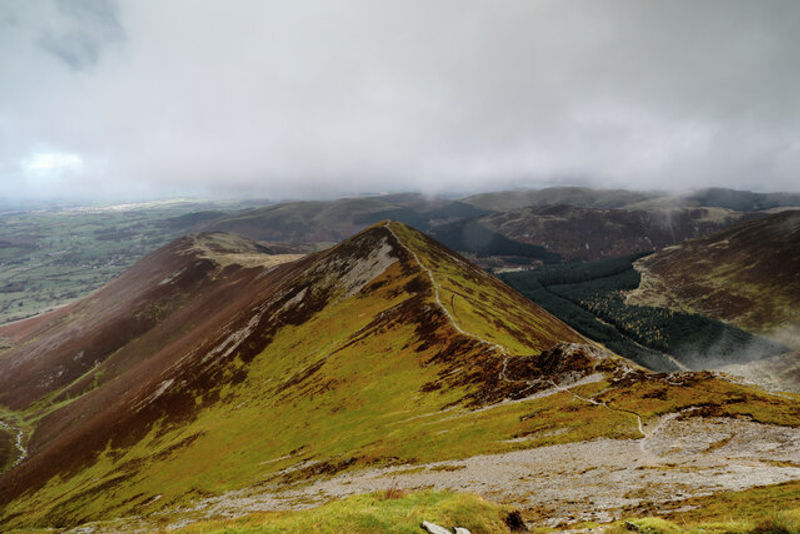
573	359
562	365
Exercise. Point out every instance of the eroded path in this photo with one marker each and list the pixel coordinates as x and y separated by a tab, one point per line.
490	344
19	440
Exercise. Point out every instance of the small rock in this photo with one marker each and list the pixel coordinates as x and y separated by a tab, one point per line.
462	530
433	528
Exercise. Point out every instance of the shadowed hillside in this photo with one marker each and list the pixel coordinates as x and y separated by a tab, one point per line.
571	196
746	275
588	234
332	221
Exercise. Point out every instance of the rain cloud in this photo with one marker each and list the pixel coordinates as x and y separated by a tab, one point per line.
325	98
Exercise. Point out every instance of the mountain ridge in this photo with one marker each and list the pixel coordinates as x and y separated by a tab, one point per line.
186	379
387	352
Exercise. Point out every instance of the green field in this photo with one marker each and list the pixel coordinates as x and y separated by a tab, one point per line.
49	257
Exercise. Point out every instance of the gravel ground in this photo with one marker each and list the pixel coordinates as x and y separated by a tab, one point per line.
680	457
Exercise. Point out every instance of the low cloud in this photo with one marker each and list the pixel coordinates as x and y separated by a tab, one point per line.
320	98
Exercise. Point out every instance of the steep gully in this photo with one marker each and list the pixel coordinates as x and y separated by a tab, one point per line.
20	434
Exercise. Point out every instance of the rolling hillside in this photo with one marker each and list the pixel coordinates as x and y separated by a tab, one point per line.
214	379
746	275
570	196
50	257
333	221
589	234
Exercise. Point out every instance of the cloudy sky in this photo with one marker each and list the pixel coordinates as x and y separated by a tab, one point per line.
143	98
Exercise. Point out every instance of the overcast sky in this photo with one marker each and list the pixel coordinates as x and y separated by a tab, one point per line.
321	98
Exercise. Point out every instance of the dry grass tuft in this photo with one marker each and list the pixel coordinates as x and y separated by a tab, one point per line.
392	493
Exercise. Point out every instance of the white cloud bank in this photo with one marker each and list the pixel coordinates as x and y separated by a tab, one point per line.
316	98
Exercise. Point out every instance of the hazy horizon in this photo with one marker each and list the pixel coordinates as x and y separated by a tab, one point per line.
131	100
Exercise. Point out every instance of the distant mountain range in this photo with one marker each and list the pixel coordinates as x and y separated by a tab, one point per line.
50	257
561	223
588	234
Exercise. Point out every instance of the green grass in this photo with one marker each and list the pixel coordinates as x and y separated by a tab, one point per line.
12	421
483	306
370	514
782	522
773	509
49	257
365	406
8	450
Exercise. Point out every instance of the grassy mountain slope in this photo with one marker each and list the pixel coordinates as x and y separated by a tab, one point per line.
385	350
746	275
351	341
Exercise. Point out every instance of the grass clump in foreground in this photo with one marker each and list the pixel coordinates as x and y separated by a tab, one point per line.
775	523
391	512
773	509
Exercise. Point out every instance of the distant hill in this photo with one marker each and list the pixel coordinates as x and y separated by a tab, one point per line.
746	274
571	196
741	200
332	221
590	297
470	236
588	234
49	258
573	223
586	197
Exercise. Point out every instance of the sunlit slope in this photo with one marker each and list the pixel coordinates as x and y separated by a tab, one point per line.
67	350
325	361
746	275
